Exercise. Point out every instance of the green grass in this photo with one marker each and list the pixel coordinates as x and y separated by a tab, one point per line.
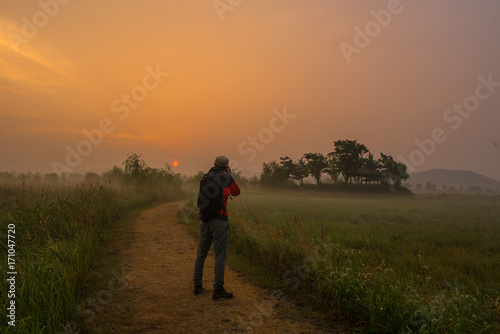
423	264
58	231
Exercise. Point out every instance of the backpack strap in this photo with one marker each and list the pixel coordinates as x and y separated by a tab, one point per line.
223	202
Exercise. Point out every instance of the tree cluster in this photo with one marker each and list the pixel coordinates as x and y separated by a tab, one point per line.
349	161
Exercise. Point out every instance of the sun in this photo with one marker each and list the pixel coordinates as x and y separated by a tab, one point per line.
175	164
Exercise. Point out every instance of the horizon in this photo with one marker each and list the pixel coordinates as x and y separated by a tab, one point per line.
83	84
247	175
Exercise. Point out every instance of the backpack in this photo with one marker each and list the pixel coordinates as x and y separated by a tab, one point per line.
210	197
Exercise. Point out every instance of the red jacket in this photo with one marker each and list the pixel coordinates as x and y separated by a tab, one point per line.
232	190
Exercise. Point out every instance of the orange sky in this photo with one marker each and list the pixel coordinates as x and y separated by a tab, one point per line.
188	80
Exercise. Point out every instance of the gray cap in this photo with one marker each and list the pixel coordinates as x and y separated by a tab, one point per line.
222	161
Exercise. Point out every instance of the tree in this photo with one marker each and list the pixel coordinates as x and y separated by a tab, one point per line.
273	173
142	177
240	179
371	163
7	176
300	171
114	175
333	167
91	177
474	189
288	165
254	181
51	178
296	170
316	164
349	155
195	179
134	171
430	186
75	178
393	172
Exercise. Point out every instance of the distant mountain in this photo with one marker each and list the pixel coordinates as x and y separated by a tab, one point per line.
455	178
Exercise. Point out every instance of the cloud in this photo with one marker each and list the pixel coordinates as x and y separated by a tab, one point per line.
35	66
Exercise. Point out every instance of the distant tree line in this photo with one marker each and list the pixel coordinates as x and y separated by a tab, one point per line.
431	187
349	162
135	174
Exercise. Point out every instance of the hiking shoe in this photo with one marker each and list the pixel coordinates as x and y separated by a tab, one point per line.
221	295
198	289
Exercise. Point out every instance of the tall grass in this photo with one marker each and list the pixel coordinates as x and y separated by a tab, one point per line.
396	265
58	229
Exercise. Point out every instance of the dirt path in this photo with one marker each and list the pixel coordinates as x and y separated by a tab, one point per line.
161	299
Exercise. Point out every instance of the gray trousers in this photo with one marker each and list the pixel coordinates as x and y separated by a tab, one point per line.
216	231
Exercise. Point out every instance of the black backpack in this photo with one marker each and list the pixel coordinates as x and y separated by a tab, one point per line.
210	198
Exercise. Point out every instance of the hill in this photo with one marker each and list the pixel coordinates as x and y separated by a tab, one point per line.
457	178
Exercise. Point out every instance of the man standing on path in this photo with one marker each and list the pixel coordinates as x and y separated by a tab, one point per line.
215	188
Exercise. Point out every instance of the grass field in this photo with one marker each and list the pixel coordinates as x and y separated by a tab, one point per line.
394	264
411	264
56	230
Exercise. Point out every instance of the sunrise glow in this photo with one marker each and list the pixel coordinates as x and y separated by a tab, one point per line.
88	82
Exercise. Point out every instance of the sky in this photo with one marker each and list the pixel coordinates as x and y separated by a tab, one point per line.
85	82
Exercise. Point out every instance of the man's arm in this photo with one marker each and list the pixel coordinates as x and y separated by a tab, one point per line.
234	189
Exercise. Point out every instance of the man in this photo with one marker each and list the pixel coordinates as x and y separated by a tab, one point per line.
215	228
